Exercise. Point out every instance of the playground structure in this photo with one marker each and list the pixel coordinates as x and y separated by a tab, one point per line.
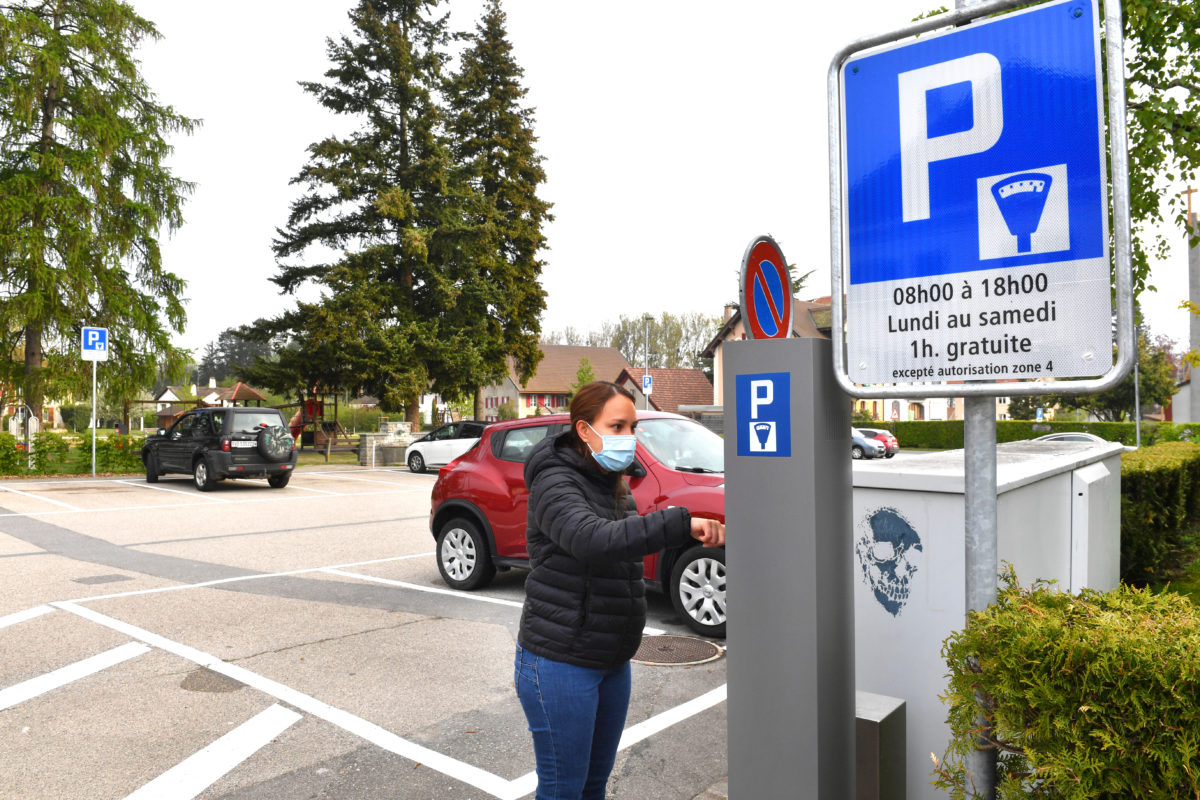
311	428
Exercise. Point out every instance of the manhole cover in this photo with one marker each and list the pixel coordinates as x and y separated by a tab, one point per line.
665	651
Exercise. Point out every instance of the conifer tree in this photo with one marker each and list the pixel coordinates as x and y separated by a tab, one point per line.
84	194
493	140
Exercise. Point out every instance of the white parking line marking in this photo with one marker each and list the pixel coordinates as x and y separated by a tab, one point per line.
360	480
431	589
480	779
292	498
452	592
21	616
72	672
196	773
43	499
219	581
197	495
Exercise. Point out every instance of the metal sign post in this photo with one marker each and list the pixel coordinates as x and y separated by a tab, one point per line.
93	346
968	193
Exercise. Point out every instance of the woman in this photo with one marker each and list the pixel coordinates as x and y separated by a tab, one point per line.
585	603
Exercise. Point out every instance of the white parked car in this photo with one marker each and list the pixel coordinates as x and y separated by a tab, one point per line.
442	445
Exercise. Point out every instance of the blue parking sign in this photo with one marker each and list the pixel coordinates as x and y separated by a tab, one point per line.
976	202
764	414
93	344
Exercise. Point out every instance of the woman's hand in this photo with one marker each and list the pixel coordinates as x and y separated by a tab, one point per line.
708	532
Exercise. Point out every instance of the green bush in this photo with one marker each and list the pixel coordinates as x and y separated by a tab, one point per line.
1090	697
1160	497
49	452
11	459
117	453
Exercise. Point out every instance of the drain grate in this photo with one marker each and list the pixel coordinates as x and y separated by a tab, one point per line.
666	651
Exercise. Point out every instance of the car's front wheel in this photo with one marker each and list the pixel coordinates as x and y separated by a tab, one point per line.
416	463
698	590
891	454
203	476
463	557
152	471
856	452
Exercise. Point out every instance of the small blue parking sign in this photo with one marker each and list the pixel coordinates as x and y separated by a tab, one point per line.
764	414
647	384
94	344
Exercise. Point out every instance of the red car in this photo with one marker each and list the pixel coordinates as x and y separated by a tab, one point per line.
889	441
478	513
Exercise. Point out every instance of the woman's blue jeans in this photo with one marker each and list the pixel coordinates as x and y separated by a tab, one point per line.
576	716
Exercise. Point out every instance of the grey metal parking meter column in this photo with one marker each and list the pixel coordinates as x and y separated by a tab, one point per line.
791	614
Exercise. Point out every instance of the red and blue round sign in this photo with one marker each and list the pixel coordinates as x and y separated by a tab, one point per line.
766	289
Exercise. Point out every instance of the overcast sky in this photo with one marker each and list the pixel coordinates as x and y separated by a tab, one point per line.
673	132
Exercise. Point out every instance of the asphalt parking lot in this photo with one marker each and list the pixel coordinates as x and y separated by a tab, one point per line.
156	642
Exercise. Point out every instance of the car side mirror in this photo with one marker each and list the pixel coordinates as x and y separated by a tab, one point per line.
162	431
635	470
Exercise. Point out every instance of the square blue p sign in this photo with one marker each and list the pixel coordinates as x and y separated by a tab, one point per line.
764	414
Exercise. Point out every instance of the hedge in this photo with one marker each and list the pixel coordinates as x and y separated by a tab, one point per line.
1160	498
117	453
948	434
1089	697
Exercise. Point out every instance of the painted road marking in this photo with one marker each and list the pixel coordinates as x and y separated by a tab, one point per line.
197	494
21	616
219	581
482	598
196	773
39	497
361	480
72	672
451	767
293	498
480	779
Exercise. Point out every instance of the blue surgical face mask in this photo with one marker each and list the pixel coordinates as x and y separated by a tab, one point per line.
616	451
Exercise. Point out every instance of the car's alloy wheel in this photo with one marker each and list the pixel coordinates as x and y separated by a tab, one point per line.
856	452
416	463
463	557
202	476
698	590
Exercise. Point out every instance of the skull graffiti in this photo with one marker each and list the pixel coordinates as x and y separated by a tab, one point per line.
889	552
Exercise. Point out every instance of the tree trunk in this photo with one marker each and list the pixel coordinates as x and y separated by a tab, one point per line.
478	414
33	373
412	413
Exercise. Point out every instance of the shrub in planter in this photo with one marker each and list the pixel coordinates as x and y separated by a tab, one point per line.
1095	696
11	460
1160	496
117	453
49	452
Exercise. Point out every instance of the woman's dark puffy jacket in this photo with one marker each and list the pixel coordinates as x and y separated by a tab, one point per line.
585	600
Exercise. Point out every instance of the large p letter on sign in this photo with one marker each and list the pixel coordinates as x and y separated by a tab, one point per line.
917	149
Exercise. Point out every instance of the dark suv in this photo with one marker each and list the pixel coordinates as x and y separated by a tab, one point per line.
211	444
477	516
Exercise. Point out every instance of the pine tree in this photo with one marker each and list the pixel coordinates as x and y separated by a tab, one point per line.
84	194
394	316
493	140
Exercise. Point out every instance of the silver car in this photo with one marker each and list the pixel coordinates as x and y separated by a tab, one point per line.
863	446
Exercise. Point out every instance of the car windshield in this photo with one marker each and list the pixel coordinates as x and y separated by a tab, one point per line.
682	445
249	422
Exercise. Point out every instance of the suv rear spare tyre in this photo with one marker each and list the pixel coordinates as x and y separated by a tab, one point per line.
275	443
